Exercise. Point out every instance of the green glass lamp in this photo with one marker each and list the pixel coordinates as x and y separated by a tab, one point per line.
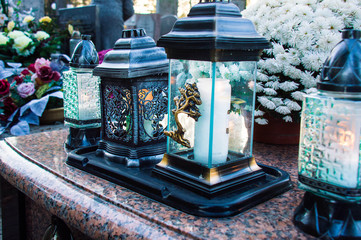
329	162
82	96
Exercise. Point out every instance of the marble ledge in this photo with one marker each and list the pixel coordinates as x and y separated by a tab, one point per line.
35	164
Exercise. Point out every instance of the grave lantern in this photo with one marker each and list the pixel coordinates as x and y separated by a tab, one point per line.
134	100
208	168
81	96
329	163
213	55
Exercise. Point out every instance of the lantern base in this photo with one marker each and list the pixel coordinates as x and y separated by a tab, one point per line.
82	137
328	219
143	180
131	156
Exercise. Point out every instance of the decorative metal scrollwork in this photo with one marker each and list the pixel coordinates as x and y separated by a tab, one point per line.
152	109
118	113
186	103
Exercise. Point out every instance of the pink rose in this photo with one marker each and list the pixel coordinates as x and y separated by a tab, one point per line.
46	74
41	62
26	89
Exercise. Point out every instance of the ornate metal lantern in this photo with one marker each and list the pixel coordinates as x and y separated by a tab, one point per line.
134	99
329	164
81	96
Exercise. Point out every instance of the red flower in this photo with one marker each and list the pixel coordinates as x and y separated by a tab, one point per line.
9	107
32	67
46	74
18	80
4	87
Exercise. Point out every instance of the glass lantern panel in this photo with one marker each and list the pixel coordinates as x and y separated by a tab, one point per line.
215	124
81	99
330	144
153	106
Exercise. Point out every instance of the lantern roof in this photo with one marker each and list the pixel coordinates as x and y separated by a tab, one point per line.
85	54
342	69
214	31
134	55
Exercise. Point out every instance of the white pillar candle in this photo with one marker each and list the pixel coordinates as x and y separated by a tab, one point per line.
222	101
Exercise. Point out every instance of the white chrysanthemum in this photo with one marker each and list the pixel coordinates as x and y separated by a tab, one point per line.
261	121
313	61
258	113
278	49
277	101
292	105
307	79
292	72
328	40
283	110
262	77
266	102
320	23
288	86
224	71
303	12
275	85
259	87
324	12
234	73
273	66
297	95
287	119
310	90
3	18
270	91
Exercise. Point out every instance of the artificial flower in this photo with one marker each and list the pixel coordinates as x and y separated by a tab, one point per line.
28	19
4	87
26	89
70	29
40	62
16	34
7	109
10	25
21	43
41	35
3	18
3	40
45	19
46	74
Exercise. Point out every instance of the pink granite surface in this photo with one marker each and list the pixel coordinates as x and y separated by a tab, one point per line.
104	210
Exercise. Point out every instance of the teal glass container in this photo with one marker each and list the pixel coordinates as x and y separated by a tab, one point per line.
329	161
82	96
81	88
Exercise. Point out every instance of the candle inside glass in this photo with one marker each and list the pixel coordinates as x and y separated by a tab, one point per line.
219	131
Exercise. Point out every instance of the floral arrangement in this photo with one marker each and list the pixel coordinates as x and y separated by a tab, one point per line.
302	33
30	92
23	38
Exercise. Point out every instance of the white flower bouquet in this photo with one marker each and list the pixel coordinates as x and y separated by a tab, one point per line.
302	34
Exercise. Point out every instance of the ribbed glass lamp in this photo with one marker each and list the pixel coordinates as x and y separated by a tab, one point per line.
329	163
82	96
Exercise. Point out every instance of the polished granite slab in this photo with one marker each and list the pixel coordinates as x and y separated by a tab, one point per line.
35	164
